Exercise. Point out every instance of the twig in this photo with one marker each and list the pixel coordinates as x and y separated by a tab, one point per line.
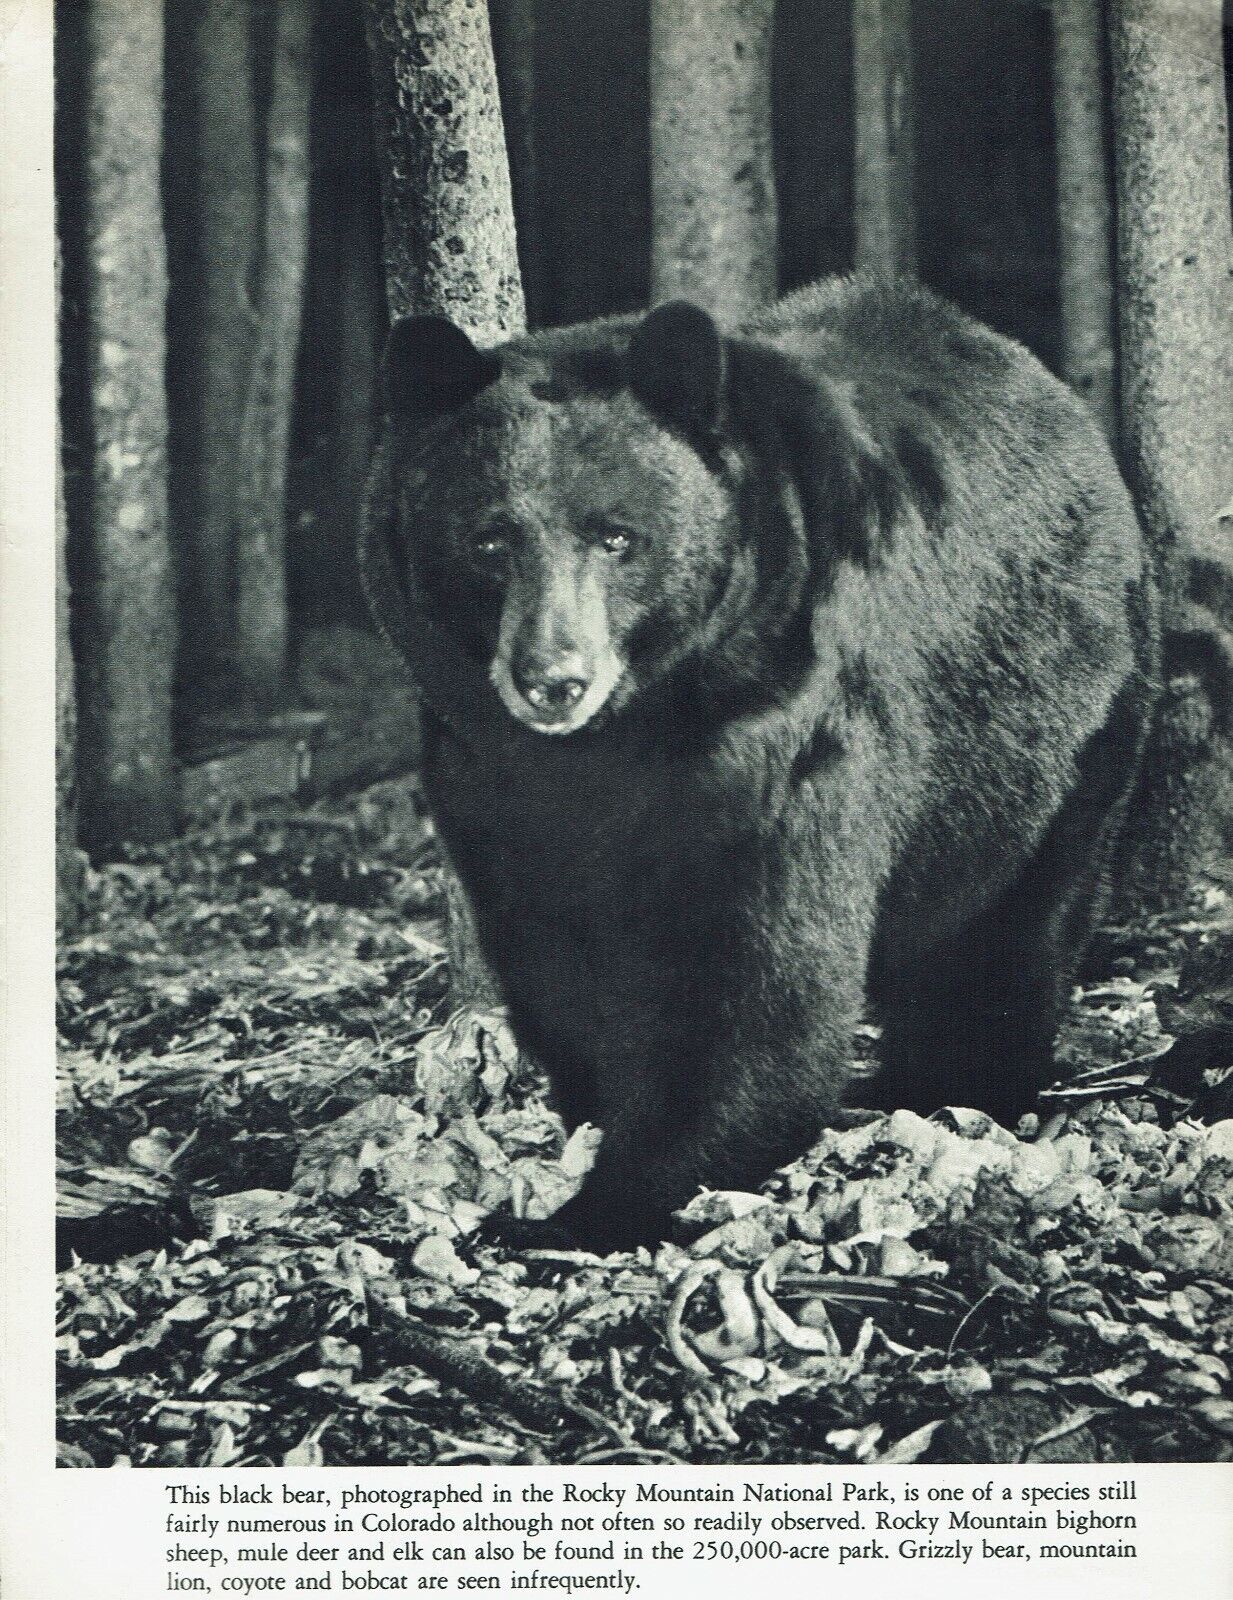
966	1318
451	1363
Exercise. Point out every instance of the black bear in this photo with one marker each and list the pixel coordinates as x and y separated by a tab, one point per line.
767	676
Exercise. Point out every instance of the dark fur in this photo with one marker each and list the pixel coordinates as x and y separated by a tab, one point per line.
892	658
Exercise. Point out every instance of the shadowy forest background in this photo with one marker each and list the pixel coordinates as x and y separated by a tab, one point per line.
286	1096
226	288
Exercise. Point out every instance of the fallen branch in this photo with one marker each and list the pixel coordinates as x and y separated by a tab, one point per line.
454	1365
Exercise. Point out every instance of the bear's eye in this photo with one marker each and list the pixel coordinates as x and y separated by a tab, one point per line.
489	544
616	542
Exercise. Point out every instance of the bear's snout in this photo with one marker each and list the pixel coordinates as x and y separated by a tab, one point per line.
555	693
555	662
555	686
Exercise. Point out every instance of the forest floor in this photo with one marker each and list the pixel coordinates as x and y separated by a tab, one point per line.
275	1144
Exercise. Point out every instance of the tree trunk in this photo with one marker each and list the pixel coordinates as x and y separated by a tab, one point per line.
68	857
885	221
449	231
260	550
714	229
361	323
1175	263
1085	205
228	224
1175	280
513	43
128	624
449	220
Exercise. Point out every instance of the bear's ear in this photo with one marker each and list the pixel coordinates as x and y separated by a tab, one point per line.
431	367
676	364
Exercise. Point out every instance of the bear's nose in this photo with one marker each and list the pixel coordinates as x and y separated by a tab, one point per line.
553	687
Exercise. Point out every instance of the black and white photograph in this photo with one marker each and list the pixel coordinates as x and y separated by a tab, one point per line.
644	737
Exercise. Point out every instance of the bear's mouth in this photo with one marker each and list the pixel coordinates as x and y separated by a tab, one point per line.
558	718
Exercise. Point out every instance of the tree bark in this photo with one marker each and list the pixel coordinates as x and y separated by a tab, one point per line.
885	221
68	857
513	42
714	228
1085	205
449	220
449	233
361	323
260	545
228	221
128	618
1175	281
1175	255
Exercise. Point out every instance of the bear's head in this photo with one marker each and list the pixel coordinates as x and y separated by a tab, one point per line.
585	510
558	506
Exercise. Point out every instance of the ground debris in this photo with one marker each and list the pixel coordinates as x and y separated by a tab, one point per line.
277	1144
